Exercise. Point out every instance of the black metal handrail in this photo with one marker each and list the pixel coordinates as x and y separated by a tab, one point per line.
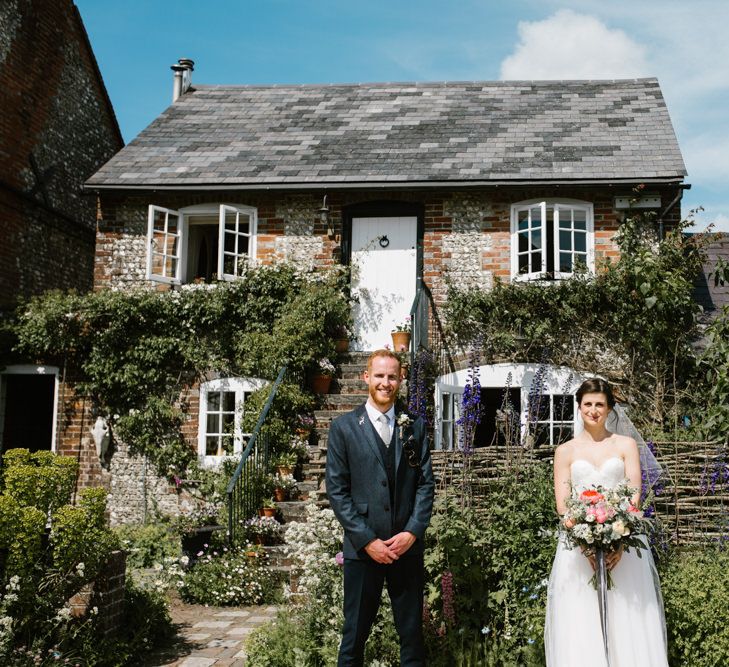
428	332
244	494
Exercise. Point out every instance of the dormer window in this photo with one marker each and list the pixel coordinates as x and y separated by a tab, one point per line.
199	243
550	239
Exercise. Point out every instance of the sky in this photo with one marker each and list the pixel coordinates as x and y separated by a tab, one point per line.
682	43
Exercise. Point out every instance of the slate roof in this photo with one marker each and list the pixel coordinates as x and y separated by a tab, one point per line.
508	131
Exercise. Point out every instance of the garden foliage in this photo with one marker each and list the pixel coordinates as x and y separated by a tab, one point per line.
634	321
137	351
41	568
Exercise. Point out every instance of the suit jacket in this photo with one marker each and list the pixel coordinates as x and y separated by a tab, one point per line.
358	489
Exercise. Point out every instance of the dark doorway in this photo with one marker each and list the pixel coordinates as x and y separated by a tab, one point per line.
501	408
28	420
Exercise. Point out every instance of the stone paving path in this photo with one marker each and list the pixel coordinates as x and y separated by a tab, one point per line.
211	635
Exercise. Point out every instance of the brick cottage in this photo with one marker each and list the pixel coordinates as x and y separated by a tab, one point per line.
516	180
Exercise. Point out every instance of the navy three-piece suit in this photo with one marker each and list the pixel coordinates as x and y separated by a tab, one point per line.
377	491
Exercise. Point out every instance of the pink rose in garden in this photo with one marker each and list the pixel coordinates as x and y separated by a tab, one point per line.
339	558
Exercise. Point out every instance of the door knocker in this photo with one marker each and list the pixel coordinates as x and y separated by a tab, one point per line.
384	241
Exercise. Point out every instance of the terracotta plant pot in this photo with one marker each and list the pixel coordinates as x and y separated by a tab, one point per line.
341	345
267	511
320	383
279	495
400	341
284	470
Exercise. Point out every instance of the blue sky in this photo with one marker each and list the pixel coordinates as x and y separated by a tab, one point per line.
332	41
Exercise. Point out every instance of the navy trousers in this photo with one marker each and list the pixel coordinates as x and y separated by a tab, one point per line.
363	582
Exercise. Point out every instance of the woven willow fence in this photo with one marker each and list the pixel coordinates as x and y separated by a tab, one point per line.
693	505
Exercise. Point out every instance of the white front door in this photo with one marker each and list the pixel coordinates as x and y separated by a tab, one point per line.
383	277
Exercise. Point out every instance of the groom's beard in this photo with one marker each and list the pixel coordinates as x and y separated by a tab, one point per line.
383	400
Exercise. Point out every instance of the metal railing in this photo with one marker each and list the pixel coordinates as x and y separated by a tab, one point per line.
245	492
428	332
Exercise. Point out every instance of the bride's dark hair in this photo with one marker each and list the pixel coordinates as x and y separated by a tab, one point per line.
596	386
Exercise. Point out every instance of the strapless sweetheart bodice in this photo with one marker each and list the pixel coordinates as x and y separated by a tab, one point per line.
609	474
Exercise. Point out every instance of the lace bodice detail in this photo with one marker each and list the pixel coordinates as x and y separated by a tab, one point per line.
609	474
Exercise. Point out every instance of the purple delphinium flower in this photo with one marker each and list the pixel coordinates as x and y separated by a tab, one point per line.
471	408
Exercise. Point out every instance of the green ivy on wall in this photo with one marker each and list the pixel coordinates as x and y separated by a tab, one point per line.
137	351
634	320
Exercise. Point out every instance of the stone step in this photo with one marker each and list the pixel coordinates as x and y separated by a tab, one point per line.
292	510
277	556
342	401
351	386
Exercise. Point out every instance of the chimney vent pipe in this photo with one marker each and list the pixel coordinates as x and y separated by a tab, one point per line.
182	77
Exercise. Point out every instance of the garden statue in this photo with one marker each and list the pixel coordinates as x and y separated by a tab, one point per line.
102	435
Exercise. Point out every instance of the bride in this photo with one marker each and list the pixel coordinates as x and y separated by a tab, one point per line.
636	627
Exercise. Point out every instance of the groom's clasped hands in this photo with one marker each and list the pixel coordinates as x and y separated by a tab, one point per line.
388	551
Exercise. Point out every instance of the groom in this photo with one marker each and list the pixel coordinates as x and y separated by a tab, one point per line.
380	485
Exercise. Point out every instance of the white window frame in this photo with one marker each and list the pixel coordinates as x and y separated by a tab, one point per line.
449	388
27	369
560	209
239	386
183	216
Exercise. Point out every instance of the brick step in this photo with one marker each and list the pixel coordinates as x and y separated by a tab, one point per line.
277	556
342	401
292	510
349	386
351	371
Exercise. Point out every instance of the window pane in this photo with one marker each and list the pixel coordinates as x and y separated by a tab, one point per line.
541	435
229	265
537	239
565	262
244	224
228	419
213	423
536	217
523	242
171	267
227	443
172	224
243	242
229	401
523	220
523	263
229	242
561	433
565	240
564	407
581	242
158	223
541	408
231	218
536	261
214	400
580	218
211	446
565	219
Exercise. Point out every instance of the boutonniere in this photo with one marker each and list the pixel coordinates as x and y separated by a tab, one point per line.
404	421
361	420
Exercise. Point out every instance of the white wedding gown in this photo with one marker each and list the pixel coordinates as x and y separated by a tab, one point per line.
636	626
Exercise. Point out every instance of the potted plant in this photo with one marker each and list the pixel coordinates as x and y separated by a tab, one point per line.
321	379
304	426
284	486
285	462
341	340
299	447
262	530
401	335
268	508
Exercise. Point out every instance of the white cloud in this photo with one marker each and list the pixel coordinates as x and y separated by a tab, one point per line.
569	45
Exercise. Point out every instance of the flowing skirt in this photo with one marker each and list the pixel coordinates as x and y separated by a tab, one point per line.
636	626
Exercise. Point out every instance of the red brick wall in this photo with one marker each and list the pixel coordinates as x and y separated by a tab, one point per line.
56	129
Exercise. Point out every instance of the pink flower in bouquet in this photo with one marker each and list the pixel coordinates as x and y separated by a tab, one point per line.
591	496
634	510
600	512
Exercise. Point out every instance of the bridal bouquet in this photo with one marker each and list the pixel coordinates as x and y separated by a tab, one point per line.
605	520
